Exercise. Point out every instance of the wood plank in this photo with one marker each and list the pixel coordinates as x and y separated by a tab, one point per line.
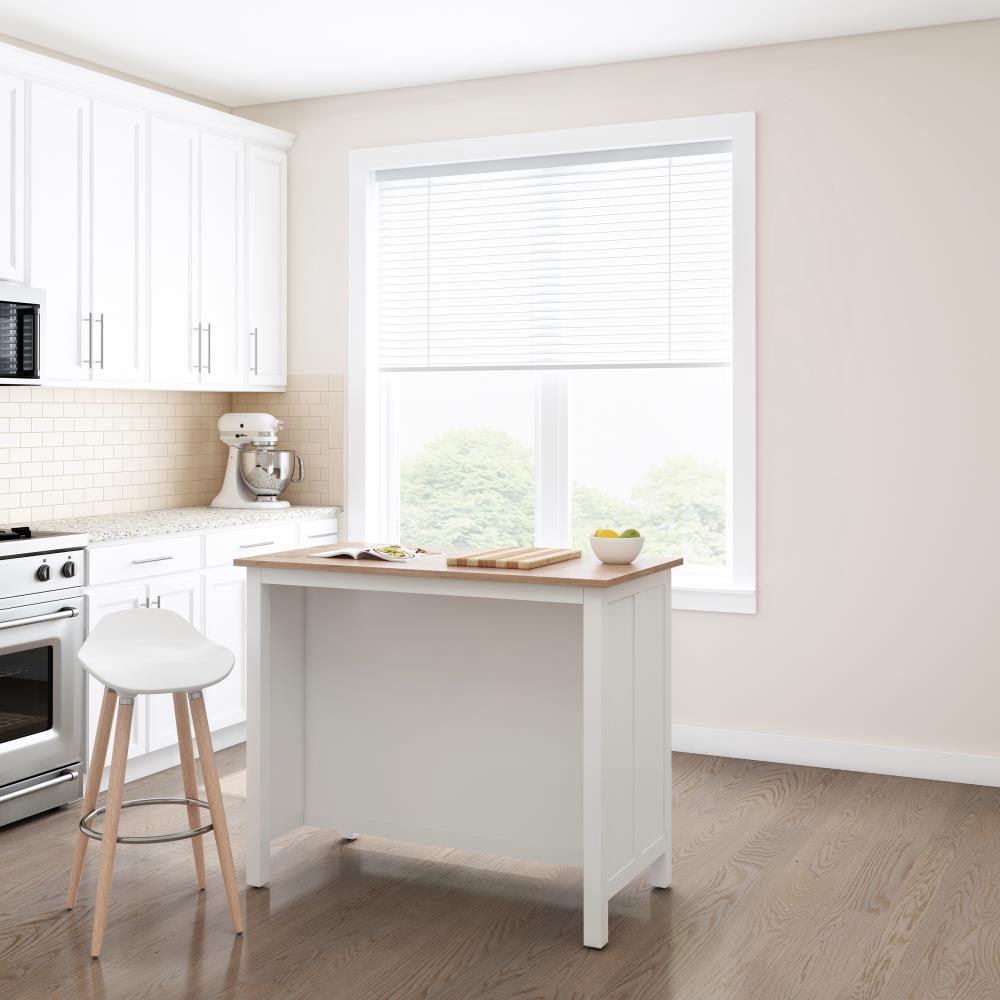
584	572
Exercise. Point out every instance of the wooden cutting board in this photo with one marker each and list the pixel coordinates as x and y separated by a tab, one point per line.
523	557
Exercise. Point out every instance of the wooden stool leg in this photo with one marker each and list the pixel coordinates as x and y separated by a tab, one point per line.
116	792
213	794
94	775
190	778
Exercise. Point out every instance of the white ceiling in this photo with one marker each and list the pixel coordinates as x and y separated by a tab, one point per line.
239	52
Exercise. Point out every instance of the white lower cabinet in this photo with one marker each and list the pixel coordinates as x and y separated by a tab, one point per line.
192	575
103	601
225	597
180	593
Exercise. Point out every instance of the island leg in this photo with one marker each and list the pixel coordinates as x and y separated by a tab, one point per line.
258	730
595	897
661	871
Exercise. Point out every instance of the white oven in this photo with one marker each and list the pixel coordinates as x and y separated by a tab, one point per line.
42	708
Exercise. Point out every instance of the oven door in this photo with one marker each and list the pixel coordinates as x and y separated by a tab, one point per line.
42	725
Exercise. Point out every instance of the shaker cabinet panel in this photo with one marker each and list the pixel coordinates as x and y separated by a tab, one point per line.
101	602
11	178
266	198
220	213
181	594
118	142
58	219
173	257
225	623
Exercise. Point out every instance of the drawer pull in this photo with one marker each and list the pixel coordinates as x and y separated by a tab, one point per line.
255	545
140	562
323	534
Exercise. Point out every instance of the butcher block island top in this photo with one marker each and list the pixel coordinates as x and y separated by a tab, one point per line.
583	572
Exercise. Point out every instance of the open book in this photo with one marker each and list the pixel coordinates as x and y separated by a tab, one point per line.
391	553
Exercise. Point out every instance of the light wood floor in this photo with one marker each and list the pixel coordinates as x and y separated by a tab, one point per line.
790	882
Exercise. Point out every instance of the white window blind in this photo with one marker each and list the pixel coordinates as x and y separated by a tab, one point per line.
619	259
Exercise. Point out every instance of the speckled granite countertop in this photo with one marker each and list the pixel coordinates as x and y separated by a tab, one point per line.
176	521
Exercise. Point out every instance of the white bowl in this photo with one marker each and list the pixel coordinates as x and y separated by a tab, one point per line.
616	551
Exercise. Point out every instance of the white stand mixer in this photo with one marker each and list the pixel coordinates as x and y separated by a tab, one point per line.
256	471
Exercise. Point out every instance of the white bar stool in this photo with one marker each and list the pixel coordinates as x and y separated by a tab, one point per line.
152	651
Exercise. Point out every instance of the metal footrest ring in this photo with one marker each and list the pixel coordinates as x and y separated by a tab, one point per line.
88	831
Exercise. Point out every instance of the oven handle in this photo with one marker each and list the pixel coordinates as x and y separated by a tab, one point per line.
35	619
59	779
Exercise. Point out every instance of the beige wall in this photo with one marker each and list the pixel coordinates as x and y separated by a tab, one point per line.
879	483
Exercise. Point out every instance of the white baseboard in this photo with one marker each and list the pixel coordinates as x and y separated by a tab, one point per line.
167	757
905	762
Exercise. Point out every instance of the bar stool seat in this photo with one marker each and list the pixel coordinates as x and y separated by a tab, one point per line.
152	651
132	652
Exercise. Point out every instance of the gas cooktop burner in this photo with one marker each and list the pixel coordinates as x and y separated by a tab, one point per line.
14	534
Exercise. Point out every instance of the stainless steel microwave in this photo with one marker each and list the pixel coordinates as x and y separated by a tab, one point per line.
20	331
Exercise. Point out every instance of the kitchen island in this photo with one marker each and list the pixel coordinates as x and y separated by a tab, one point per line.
519	713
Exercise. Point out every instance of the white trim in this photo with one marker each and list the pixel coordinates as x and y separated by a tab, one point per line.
365	477
734	601
553	500
46	69
906	762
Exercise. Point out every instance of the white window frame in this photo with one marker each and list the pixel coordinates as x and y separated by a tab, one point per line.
370	482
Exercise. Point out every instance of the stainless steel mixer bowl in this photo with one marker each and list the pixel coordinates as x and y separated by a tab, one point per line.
266	472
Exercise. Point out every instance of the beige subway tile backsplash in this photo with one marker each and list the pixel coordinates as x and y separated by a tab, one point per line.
75	452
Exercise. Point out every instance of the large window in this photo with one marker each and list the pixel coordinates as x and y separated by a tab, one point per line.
550	341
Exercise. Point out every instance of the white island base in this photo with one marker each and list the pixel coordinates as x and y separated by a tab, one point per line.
463	709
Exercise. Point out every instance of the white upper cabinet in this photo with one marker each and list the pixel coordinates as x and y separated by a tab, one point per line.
118	158
220	313
154	226
11	178
266	200
173	244
58	218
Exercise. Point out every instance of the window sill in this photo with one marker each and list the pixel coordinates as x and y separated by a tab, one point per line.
731	600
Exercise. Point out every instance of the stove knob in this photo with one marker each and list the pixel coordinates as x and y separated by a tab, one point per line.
69	569
43	572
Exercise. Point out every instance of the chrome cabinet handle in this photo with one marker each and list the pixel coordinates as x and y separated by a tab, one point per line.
102	341
255	545
59	779
255	368
37	619
209	348
142	562
323	534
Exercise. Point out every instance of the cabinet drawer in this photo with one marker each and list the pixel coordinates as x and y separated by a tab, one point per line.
317	532
225	546
140	560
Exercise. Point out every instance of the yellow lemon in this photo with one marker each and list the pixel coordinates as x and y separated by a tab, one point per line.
605	533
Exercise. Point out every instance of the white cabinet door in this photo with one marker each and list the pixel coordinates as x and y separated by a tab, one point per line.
180	593
221	231
266	195
58	220
118	240
225	623
102	601
173	243
11	178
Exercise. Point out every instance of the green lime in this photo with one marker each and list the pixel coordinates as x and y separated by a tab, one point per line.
630	533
